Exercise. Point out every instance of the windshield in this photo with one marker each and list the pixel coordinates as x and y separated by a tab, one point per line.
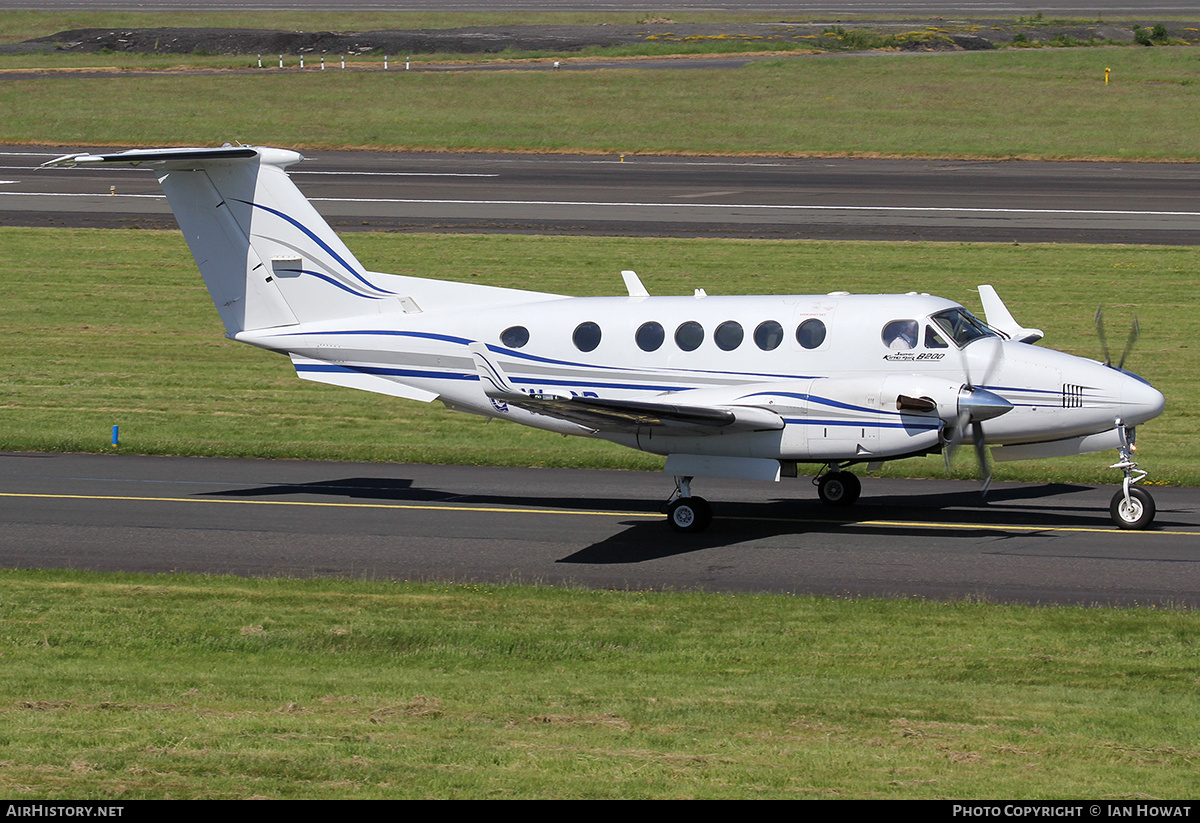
961	326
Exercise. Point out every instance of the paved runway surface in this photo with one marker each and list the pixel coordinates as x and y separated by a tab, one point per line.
671	196
1028	543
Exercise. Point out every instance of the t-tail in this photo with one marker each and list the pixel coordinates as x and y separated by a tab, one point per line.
268	258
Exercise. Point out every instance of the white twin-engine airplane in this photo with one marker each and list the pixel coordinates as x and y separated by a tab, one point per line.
740	387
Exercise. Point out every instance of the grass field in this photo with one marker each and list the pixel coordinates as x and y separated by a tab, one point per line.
122	687
104	328
1012	103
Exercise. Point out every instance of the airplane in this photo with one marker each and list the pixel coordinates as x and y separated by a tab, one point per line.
744	387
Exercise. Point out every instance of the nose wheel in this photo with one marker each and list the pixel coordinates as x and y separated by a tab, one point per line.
1134	510
1132	507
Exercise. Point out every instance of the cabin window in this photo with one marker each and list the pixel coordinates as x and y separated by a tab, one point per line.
587	336
811	333
899	335
650	336
729	335
515	336
689	335
768	335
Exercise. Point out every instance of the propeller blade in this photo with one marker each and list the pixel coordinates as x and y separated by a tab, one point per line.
985	469
1134	332
956	437
1101	335
975	405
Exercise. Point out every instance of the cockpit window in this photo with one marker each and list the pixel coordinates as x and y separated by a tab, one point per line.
933	340
961	326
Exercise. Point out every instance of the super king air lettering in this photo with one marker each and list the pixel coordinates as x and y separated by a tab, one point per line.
906	356
740	386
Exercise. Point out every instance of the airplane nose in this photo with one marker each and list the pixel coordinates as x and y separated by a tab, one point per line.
1139	400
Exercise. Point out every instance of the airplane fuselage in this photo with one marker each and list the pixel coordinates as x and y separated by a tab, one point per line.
822	363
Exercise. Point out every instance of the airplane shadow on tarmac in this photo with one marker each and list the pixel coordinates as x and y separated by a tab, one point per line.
963	512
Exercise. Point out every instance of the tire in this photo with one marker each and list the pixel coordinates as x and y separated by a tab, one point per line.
1137	514
689	515
839	488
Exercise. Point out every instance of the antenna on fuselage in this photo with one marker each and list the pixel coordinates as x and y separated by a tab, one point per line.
633	284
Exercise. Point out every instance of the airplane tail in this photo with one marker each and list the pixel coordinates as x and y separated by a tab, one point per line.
267	257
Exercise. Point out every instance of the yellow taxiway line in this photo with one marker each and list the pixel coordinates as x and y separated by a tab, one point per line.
599	513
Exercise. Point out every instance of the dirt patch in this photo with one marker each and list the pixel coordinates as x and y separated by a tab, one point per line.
934	35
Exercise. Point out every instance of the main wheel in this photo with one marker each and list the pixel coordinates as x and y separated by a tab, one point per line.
689	514
1138	513
838	488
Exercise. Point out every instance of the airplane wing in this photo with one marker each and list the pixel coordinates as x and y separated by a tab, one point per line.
613	415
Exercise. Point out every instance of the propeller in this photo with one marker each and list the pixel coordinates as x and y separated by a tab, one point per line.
975	405
1135	331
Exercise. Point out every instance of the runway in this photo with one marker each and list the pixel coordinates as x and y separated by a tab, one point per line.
1028	543
850	199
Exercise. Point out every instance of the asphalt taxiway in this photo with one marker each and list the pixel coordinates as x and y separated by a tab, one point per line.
835	198
1029	543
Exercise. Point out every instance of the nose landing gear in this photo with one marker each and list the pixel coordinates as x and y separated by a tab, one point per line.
1132	507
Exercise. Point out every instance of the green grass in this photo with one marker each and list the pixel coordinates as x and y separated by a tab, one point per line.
103	328
125	686
995	104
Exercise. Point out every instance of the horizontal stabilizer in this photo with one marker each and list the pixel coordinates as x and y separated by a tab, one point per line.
183	157
320	371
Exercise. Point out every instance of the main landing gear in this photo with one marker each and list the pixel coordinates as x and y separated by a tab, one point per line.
837	487
687	514
691	515
1132	507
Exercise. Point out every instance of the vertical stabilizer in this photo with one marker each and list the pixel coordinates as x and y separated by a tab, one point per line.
253	235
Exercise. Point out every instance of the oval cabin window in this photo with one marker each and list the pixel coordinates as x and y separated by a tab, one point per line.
587	336
729	335
515	337
650	336
811	333
689	335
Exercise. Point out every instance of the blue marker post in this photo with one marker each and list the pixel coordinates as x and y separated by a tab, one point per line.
114	440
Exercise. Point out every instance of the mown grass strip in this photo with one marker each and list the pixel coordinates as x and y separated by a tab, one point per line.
103	328
994	104
129	686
